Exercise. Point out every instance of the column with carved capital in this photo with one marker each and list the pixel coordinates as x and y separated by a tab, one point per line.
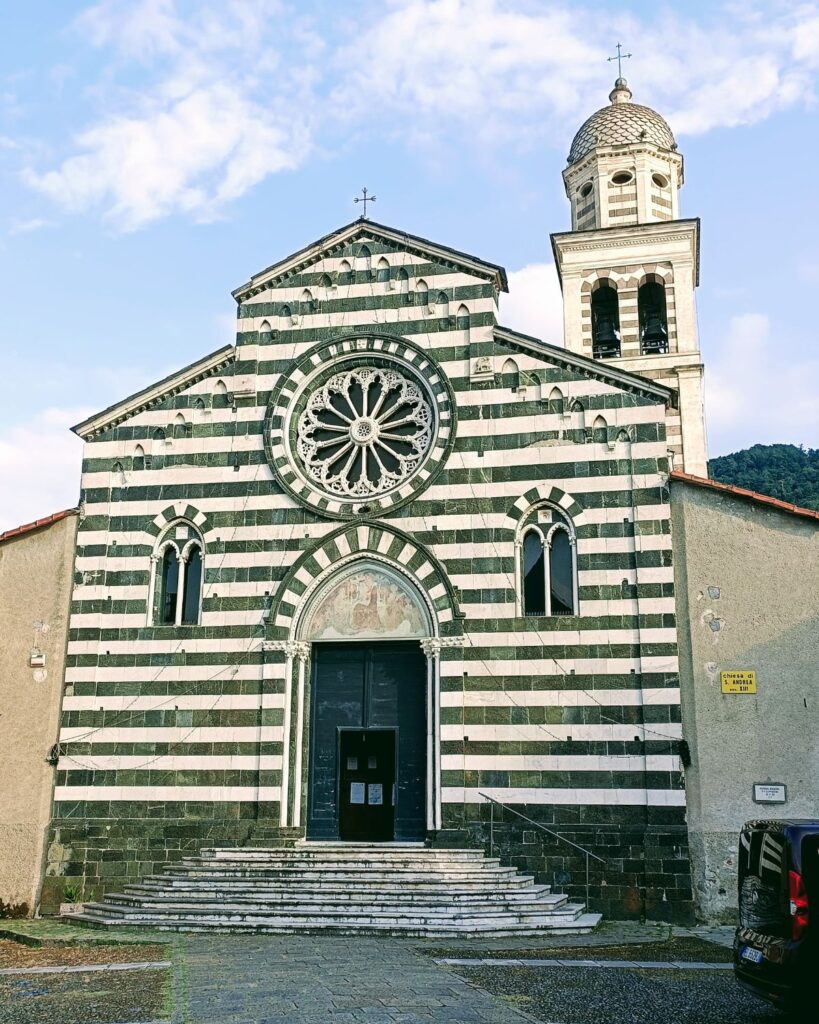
302	656
149	611
293	652
432	648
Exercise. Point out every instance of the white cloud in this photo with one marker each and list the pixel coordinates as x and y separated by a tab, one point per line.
754	394
208	123
809	272
25	227
510	70
195	107
40	462
534	304
192	155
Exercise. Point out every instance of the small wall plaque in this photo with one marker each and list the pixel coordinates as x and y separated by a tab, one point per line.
738	681
770	793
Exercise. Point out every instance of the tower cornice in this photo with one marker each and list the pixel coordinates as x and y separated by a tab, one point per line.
627	236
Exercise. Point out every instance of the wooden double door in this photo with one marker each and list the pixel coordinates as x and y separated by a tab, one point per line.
367	759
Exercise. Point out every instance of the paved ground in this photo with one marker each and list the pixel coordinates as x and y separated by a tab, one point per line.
262	980
624	996
623	974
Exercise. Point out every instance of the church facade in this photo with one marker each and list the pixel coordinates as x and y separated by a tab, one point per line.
386	565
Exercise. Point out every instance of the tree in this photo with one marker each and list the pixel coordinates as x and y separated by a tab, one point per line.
782	471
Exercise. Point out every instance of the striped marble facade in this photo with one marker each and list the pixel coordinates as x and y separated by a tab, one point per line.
178	736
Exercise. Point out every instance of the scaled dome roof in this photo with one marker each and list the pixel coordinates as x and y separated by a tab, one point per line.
620	124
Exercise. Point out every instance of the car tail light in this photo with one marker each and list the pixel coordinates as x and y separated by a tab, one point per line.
798	905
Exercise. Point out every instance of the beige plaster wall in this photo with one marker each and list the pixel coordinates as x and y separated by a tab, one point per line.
747	583
35	587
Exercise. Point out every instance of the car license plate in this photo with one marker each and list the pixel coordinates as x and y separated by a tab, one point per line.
756	956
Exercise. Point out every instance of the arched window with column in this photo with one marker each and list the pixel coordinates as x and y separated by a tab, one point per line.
176	585
605	321
653	316
548	567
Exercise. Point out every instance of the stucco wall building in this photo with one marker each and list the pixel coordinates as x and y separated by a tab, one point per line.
35	588
747	583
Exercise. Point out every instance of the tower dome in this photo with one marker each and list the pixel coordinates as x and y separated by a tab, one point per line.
622	123
624	167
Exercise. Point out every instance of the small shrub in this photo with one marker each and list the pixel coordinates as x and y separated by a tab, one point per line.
72	894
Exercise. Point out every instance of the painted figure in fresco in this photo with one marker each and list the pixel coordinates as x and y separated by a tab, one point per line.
367	603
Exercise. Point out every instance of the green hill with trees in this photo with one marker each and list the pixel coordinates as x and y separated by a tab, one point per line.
782	471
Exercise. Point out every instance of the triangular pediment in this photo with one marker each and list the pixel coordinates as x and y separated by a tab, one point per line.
156	393
361	231
591	368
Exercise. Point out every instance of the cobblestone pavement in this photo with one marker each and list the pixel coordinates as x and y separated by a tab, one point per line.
619	995
234	979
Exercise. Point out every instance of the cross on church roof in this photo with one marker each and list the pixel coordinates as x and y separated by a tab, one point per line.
366	199
619	58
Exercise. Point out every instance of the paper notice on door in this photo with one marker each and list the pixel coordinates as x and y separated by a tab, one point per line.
357	792
375	793
352	764
372	762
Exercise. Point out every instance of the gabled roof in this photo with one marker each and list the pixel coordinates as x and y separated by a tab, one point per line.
590	367
38	524
368	228
743	492
155	393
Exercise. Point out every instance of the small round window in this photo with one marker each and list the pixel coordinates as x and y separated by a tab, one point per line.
586	190
622	177
660	180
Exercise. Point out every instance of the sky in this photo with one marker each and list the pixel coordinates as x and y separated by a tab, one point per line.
154	154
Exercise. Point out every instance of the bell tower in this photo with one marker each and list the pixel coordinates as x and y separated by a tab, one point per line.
629	266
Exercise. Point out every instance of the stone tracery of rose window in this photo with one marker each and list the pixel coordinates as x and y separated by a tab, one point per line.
364	431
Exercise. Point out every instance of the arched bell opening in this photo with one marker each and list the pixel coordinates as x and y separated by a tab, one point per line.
653	317
605	316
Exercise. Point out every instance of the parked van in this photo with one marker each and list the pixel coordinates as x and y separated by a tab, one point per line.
776	947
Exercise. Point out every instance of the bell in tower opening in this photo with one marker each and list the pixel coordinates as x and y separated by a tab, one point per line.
653	317
605	322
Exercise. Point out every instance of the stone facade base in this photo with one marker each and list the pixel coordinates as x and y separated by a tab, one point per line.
645	874
96	857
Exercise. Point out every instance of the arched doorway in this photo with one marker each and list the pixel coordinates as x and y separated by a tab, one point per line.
367	742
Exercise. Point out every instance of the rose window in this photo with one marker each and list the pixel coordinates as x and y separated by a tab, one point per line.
364	431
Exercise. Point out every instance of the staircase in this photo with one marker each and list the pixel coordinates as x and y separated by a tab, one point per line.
344	888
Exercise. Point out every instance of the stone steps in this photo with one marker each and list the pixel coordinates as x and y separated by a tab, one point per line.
321	892
296	903
346	889
296	876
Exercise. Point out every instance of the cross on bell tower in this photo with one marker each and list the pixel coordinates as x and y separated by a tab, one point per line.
620	58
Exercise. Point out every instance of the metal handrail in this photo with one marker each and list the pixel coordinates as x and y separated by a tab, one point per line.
537	824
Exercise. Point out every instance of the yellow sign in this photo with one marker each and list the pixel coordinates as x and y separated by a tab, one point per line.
738	682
